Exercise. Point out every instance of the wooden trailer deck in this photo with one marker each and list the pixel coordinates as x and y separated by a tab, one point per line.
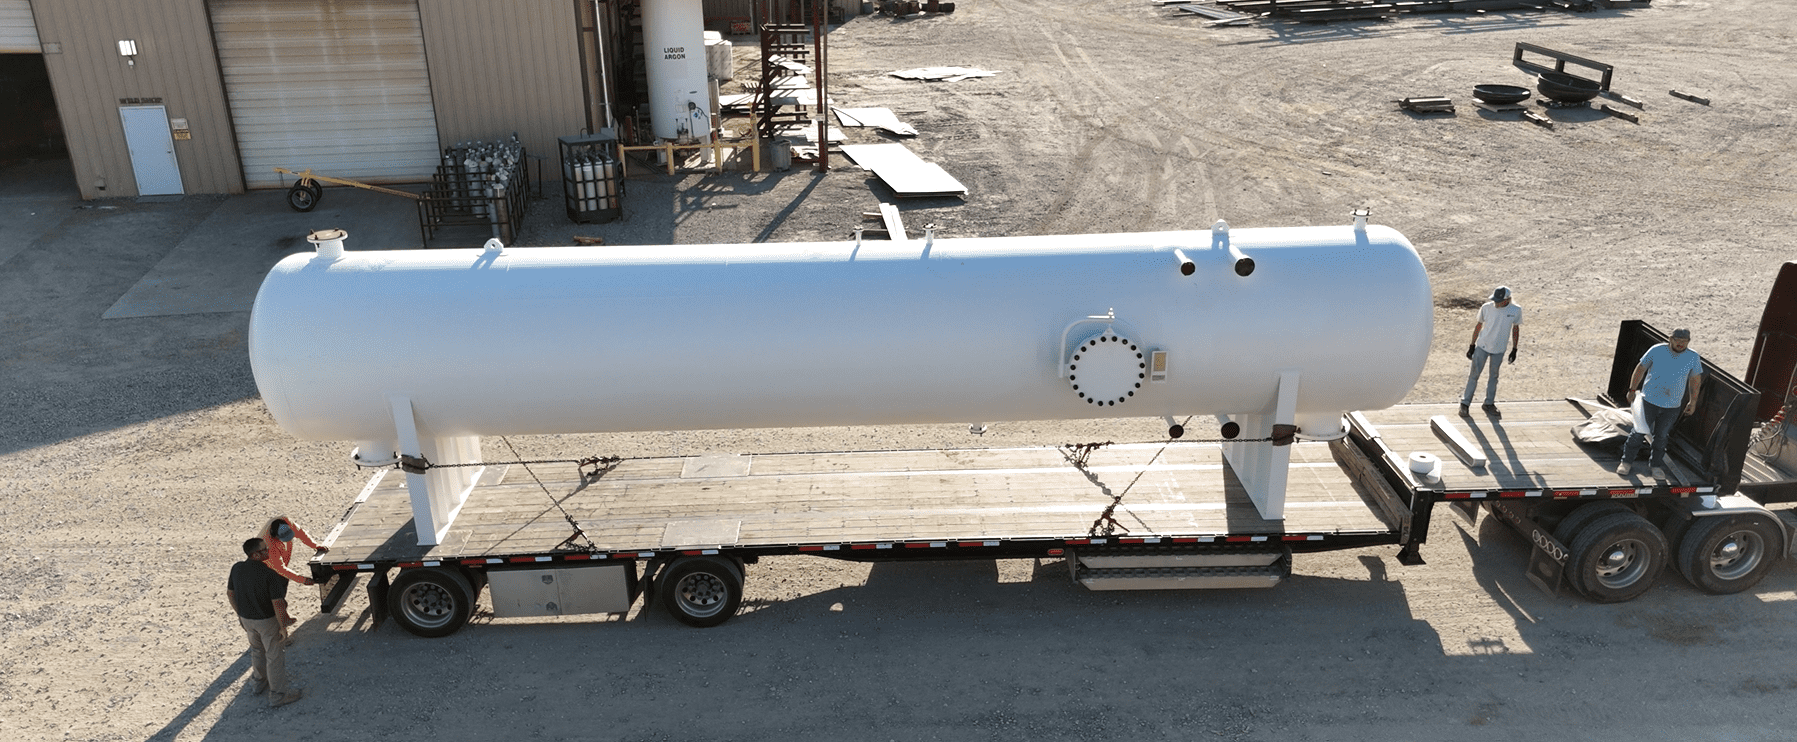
783	500
1530	448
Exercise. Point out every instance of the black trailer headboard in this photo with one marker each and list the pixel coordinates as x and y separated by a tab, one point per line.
1725	406
1773	367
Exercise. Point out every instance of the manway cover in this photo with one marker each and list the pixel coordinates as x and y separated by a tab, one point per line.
906	173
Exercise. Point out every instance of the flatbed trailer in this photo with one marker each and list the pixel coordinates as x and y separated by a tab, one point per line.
1181	519
1149	515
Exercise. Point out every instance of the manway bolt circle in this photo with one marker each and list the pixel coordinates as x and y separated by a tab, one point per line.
1109	368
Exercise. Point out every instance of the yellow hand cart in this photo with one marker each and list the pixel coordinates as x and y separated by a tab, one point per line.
306	192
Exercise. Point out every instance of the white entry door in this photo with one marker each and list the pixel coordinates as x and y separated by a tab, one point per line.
152	148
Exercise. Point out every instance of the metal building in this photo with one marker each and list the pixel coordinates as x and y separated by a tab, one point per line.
209	96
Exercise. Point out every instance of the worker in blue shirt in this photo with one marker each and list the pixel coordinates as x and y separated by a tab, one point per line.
1667	378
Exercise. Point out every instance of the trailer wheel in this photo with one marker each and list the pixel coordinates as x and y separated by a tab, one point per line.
303	199
1616	558
1584	514
701	591
430	602
1728	554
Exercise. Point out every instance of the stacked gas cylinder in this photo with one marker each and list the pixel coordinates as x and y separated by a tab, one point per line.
594	175
486	170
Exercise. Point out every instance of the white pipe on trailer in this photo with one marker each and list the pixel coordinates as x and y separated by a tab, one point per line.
437	348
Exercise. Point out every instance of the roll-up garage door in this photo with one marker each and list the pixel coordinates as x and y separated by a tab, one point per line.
18	32
338	86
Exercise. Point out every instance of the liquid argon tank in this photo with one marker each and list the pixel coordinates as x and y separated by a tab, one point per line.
681	337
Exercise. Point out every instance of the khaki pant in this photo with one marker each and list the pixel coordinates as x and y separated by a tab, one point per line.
268	656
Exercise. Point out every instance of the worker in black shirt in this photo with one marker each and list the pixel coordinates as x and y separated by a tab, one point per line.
259	596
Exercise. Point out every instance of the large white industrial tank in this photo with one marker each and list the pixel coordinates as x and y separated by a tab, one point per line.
672	337
675	60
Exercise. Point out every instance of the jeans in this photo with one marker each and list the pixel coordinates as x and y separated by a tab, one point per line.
268	656
1658	420
1472	379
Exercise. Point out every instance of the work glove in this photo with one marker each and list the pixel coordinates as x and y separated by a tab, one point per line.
1469	352
1512	355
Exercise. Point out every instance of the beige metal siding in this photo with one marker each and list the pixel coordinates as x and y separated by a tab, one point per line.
500	67
173	64
18	32
338	86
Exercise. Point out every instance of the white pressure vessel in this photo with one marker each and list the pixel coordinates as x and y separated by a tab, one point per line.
675	62
679	337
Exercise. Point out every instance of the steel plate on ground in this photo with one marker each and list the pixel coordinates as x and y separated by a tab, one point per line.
903	171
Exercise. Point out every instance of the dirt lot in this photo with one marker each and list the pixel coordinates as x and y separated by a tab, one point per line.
135	454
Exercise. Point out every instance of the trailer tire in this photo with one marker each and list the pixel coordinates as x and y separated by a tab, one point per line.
1727	554
701	591
430	602
1581	516
303	199
1616	558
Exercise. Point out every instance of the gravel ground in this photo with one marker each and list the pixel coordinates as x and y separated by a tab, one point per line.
135	454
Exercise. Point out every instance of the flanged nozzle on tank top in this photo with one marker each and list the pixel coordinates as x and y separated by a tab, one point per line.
329	243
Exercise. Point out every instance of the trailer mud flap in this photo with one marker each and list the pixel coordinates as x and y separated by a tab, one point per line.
1544	570
1547	556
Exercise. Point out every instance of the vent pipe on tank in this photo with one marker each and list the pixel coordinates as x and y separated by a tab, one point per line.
1360	216
1186	266
329	243
1219	236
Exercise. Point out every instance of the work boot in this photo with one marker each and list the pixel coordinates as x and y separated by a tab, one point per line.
286	698
1660	474
258	687
1491	409
1624	469
1465	411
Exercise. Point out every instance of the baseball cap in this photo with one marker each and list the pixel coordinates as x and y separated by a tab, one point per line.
1500	293
1681	334
283	533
